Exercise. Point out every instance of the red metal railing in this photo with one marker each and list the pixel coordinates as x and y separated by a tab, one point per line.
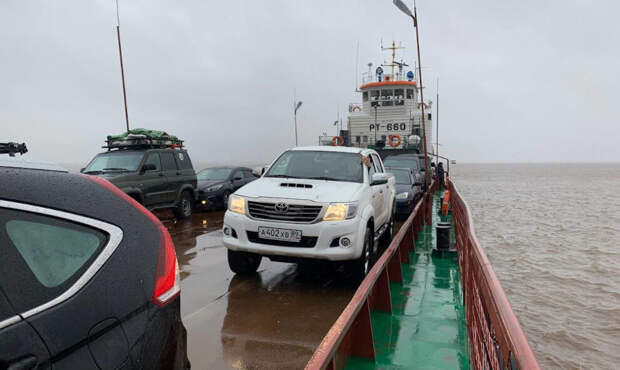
495	337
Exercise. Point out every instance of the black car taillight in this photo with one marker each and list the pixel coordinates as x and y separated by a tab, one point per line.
167	279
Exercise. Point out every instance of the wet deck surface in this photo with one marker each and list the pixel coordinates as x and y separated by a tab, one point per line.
272	320
426	329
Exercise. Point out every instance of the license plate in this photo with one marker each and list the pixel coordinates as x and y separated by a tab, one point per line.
275	233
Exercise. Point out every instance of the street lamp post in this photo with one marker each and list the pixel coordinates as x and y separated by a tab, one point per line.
414	16
296	106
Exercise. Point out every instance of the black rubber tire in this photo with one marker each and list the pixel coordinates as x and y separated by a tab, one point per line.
243	263
360	267
386	237
225	197
185	207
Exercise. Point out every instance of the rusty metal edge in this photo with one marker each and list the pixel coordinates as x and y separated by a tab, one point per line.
523	353
330	343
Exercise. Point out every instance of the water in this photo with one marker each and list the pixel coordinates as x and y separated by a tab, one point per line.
552	233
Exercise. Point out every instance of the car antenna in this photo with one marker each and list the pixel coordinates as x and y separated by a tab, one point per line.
120	54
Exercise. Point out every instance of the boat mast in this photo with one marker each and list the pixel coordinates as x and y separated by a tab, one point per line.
417	38
120	53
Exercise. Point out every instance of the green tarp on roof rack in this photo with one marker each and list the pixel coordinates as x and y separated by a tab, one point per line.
150	134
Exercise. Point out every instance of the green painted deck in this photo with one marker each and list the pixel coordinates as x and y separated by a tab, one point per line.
426	329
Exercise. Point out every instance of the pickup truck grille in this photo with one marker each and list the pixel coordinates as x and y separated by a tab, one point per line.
293	212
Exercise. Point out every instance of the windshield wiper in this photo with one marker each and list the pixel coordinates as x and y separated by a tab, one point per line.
115	169
286	176
326	178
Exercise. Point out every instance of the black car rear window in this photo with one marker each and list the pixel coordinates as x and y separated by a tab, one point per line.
42	256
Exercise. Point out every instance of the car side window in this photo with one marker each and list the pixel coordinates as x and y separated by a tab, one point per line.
377	162
238	175
168	162
154	159
43	256
248	174
371	170
183	159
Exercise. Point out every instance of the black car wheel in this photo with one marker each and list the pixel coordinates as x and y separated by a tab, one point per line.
185	206
360	267
243	263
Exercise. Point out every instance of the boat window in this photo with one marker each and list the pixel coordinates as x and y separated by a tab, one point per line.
365	138
399	95
409	93
357	139
374	95
365	96
386	96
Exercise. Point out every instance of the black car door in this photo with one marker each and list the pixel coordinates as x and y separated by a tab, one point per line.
48	258
172	173
155	186
20	346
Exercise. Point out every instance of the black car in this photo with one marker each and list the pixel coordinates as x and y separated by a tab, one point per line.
407	191
90	278
414	162
215	184
154	177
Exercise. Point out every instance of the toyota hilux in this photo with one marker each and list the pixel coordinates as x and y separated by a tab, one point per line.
313	203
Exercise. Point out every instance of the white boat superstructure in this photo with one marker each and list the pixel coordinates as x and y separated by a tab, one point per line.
390	112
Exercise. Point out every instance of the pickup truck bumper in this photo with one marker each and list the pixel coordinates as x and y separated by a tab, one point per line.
244	238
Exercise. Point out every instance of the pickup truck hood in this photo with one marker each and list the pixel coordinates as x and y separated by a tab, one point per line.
320	191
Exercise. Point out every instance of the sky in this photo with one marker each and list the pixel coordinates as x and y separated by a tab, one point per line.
519	81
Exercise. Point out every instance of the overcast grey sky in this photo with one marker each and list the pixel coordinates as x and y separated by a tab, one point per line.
520	81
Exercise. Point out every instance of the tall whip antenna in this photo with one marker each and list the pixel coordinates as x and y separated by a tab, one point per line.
120	53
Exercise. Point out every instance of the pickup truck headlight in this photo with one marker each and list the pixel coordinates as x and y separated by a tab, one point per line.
403	195
236	204
340	211
214	188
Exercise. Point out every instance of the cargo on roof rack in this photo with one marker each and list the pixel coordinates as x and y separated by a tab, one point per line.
142	138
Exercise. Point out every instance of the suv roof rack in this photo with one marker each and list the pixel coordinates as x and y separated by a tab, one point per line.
12	148
142	141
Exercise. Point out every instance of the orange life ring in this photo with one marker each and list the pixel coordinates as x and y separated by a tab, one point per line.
391	140
337	141
356	109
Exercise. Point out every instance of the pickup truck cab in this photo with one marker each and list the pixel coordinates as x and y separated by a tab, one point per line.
321	202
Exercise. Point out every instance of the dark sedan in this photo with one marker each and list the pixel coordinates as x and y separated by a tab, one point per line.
90	278
407	191
215	184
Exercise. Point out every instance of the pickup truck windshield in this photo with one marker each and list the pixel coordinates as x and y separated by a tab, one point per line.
334	166
115	161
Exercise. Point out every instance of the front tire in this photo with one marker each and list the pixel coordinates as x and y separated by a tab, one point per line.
243	263
360	267
185	206
386	237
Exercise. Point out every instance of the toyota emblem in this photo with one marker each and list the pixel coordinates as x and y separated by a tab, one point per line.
281	207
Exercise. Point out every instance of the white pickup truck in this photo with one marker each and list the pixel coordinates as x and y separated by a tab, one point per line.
320	202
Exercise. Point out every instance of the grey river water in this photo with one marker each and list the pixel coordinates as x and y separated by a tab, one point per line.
552	233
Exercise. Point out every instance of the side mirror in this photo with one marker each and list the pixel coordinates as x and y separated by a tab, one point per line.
148	167
379	179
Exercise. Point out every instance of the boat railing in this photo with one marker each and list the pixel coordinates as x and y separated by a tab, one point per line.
495	337
496	340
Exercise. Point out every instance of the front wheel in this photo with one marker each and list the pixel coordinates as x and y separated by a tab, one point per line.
185	206
360	267
243	263
386	237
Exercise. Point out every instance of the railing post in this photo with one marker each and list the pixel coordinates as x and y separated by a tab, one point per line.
362	344
394	268
381	299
